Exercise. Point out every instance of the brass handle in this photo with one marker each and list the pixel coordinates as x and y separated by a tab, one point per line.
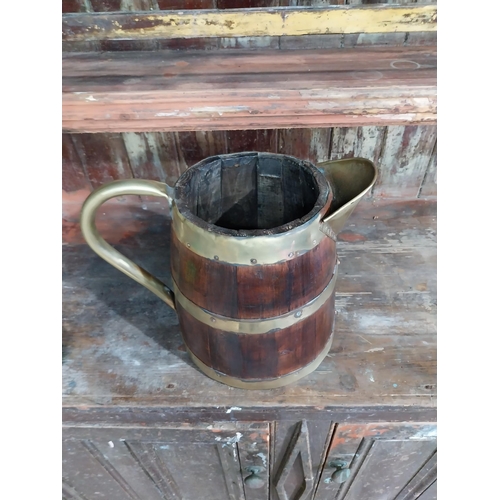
105	250
341	475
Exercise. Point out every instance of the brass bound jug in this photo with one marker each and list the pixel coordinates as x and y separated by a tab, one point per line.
253	259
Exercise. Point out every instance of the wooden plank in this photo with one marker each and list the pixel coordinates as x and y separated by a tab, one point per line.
196	146
186	4
383	352
252	140
153	155
103	156
363	142
74	6
142	463
105	5
254	22
162	91
307	144
406	155
73	174
429	183
382	458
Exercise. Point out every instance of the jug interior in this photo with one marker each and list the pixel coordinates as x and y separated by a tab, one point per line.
249	191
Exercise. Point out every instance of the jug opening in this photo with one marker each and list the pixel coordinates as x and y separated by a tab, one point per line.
251	191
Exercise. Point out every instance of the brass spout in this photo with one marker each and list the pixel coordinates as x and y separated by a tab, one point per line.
350	179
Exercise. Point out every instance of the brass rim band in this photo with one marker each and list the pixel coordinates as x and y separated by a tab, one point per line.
262	384
247	251
256	326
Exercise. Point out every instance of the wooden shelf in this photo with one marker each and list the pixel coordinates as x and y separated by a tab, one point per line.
123	348
224	90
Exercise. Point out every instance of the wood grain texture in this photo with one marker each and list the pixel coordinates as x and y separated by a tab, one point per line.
429	182
162	91
165	156
404	161
73	174
252	291
383	353
259	356
254	22
103	157
383	459
319	434
154	464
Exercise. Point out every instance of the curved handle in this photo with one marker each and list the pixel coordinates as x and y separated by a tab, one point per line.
105	250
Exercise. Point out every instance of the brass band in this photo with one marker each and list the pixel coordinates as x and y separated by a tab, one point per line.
241	250
263	384
256	326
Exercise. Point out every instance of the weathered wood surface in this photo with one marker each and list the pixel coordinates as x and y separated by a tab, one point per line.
244	22
208	460
122	345
408	170
242	42
387	462
161	91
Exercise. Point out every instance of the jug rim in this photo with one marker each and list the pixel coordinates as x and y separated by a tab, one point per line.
319	209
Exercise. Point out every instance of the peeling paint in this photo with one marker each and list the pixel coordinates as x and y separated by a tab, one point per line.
263	458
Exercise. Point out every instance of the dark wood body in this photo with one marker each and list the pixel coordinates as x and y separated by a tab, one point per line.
255	292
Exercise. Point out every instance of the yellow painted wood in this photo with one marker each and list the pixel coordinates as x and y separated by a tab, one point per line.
253	22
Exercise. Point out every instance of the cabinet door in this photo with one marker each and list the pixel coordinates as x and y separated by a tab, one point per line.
210	462
380	462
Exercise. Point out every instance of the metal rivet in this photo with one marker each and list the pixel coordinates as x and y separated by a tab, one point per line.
298	314
253	261
212	320
314	242
290	254
189	245
216	257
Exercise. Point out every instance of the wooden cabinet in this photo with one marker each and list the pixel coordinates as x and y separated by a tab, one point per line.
383	462
318	460
140	421
211	462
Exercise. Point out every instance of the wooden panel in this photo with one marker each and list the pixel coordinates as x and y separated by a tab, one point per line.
255	22
383	353
153	156
307	144
383	460
186	4
147	464
429	183
252	140
351	142
319	433
259	356
105	5
103	156
424	479
185	90
196	146
253	291
73	6
430	493
406	155
73	175
239	185
294	477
